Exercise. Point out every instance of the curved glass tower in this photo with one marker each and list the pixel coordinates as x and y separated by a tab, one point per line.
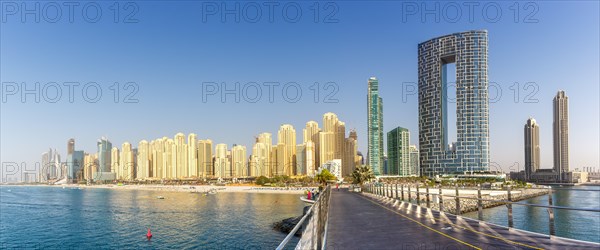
470	152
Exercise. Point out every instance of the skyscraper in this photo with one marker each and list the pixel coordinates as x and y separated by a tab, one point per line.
239	161
114	161
126	164
104	155
287	158
560	127
301	159
260	163
222	164
143	161
375	126
205	163
327	147
271	159
192	155
414	159
349	160
75	165
468	50
70	146
311	133
398	152
180	156
157	148
532	147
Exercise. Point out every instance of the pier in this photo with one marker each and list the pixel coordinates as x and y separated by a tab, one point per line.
381	218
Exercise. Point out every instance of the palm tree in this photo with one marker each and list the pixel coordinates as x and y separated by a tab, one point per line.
362	174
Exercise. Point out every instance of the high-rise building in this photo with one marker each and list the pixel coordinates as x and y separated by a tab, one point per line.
222	164
357	154
75	166
157	148
340	139
180	155
374	126
239	161
468	50
332	124
273	166
398	153
560	127
126	164
192	155
50	165
327	147
282	157
169	158
300	159
286	158
70	146
310	155
414	160
104	155
90	163
205	163
311	133
114	161
532	147
260	163
271	160
143	161
349	160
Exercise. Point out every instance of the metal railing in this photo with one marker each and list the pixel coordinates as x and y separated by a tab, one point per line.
396	191
313	224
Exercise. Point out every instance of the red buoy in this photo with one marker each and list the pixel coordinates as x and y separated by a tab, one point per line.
149	234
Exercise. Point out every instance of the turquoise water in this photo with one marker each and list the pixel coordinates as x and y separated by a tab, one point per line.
52	218
578	225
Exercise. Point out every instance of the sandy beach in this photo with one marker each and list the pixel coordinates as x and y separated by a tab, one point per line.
185	188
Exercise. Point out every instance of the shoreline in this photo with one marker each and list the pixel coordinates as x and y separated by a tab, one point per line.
181	188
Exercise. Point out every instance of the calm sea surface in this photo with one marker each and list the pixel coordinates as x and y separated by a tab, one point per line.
570	224
50	218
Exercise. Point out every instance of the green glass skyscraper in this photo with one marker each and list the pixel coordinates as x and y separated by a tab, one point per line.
398	152
375	127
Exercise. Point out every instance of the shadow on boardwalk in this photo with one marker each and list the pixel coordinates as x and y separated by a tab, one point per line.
365	221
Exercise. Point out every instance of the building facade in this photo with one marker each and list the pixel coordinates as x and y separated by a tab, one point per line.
398	152
561	132
469	52
374	127
532	147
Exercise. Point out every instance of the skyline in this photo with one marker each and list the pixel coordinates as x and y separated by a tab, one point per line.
150	118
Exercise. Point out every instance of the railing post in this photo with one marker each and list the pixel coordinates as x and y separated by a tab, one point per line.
509	206
402	191
396	190
418	196
550	214
479	203
427	195
388	190
441	201
409	194
385	190
457	211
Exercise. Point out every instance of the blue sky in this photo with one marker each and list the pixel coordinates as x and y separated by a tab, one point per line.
171	51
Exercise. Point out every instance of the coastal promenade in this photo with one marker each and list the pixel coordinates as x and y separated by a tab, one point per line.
367	221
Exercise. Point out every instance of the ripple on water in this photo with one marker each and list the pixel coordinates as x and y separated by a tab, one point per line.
51	218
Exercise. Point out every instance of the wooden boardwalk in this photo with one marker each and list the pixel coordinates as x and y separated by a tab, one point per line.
365	221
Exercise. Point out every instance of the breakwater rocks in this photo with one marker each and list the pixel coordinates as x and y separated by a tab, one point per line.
470	205
286	225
